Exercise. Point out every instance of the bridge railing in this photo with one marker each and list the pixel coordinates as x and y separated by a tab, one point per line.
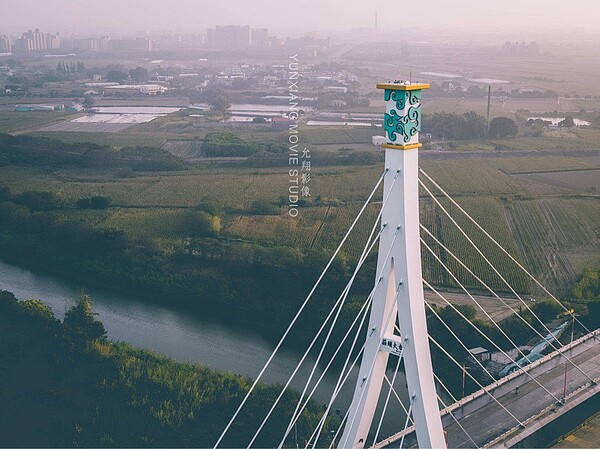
506	384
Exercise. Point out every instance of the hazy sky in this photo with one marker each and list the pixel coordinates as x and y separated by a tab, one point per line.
282	15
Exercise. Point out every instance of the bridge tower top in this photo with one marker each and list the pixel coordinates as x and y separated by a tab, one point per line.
402	120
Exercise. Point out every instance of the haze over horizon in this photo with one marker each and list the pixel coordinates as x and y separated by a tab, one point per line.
308	15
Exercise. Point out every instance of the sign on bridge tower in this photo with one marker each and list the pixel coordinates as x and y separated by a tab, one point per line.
399	290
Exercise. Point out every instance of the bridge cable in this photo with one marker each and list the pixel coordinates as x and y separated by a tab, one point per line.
379	278
339	386
384	442
336	392
550	338
289	328
339	428
410	406
363	256
393	311
441	401
526	372
404	409
441	348
531	276
336	308
457	338
389	393
485	258
492	292
444	387
457	422
428	285
364	312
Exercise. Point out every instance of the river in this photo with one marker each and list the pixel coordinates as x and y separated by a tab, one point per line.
185	338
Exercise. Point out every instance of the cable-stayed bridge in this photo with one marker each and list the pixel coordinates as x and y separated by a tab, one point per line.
518	388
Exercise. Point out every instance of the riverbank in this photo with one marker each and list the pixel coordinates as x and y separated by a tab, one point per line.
223	347
122	396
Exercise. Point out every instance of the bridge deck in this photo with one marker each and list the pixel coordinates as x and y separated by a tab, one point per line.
489	424
529	400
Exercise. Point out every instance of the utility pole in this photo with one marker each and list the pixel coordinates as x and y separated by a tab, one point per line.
487	124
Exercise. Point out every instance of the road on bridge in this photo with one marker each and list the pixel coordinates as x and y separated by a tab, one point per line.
525	402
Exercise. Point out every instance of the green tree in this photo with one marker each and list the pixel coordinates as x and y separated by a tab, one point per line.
39	201
263	207
139	75
80	324
116	76
501	127
200	224
88	102
567	122
588	286
4	192
220	105
211	206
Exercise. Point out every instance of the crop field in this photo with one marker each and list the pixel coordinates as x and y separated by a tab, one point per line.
338	222
539	164
326	135
16	122
589	136
116	140
471	177
544	143
558	236
163	224
489	213
87	127
579	180
278	230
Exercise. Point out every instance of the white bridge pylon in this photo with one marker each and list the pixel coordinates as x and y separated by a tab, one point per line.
399	290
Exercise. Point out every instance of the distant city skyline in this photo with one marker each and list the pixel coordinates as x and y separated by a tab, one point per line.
307	15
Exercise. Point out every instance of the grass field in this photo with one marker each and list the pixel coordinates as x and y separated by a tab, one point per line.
554	232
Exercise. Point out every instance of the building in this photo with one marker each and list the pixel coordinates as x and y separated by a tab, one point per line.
378	140
5	45
85	44
53	41
36	38
134	89
260	38
142	44
309	44
229	37
104	43
480	354
39	107
23	45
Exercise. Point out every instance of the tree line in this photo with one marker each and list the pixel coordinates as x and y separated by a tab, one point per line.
227	144
45	152
467	126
